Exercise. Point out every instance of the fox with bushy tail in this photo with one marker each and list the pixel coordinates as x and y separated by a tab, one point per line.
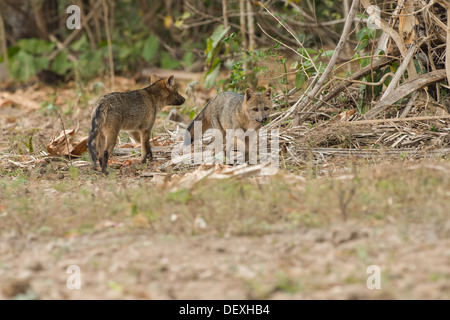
134	111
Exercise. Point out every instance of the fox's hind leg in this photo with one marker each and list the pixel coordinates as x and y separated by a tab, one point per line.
109	143
146	150
104	161
100	148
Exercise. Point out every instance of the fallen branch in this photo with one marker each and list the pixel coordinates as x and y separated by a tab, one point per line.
406	89
374	152
400	71
396	120
409	105
357	75
382	80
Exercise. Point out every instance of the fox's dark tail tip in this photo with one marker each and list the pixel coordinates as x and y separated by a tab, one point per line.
91	148
93	133
189	135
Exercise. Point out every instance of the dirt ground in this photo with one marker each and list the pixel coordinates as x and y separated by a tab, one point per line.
301	264
292	236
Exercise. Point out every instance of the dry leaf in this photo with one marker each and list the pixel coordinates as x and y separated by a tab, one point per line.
64	144
128	162
346	115
80	146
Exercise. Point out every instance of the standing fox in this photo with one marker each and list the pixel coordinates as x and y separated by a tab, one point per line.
230	110
134	111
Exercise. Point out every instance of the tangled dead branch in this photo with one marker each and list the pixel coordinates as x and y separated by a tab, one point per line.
416	34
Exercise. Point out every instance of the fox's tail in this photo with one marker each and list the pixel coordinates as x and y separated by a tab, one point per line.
98	121
202	117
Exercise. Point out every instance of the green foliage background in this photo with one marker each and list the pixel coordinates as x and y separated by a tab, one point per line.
171	35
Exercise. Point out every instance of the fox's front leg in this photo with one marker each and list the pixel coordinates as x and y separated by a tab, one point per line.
146	150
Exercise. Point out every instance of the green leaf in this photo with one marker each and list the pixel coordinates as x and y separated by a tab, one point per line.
168	63
192	114
179	23
103	44
211	76
186	15
80	44
328	53
61	63
362	34
40	63
218	35
12	51
307	65
20	149
364	62
215	63
22	66
188	58
124	52
213	41
299	80
361	45
151	46
29	145
294	65
365	33
322	67
306	51
35	46
90	63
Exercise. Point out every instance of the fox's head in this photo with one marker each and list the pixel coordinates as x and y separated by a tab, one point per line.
168	90
258	106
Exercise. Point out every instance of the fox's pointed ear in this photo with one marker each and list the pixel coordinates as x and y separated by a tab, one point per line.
268	93
153	78
170	81
248	94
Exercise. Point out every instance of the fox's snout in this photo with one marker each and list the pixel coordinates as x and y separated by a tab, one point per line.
261	119
180	100
175	99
